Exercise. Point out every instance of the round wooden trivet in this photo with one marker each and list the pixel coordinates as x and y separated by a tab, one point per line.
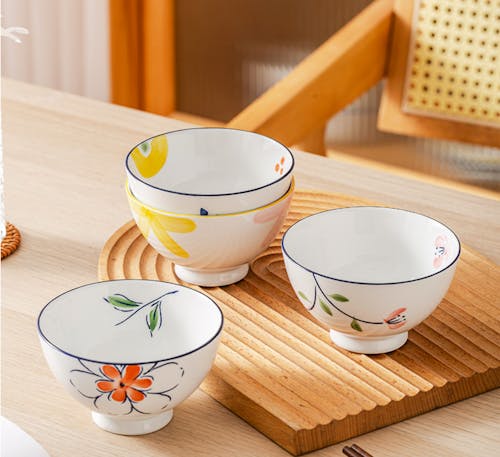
11	241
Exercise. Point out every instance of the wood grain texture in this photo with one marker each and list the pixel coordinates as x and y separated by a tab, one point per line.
334	75
278	371
403	171
64	191
391	118
314	141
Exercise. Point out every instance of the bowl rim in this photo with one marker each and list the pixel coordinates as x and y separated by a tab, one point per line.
189	194
441	270
287	194
87	359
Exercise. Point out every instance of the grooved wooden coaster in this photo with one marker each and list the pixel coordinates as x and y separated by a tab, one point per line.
277	369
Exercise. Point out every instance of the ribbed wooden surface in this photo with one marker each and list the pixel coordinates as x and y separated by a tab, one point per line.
277	369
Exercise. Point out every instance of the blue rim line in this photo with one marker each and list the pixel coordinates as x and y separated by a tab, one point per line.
209	195
42	335
370	283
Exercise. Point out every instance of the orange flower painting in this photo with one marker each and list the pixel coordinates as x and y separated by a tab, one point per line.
120	389
124	385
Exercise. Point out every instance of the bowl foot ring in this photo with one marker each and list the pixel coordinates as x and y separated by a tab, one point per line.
374	345
212	278
132	426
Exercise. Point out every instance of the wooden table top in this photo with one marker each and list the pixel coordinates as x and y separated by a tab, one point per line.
64	190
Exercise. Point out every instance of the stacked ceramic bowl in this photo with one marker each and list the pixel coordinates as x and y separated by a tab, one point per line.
210	199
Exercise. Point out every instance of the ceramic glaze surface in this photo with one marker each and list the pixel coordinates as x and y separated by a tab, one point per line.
151	320
130	350
211	250
370	273
371	244
209	171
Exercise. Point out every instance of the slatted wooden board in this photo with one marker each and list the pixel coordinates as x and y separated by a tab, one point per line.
277	369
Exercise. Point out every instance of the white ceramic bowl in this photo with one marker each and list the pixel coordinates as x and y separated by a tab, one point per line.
211	250
209	171
130	350
370	273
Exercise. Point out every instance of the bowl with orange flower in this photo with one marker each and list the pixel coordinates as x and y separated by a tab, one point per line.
130	350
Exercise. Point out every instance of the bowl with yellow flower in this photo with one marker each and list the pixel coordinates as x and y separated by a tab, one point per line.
209	171
209	199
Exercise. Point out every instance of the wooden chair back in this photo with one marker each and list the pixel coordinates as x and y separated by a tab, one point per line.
376	44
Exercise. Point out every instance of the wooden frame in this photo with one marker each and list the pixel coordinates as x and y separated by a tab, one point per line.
142	48
339	71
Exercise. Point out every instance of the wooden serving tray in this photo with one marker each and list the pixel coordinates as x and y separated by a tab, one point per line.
277	369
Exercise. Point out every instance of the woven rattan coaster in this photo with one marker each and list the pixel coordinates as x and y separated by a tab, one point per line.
11	241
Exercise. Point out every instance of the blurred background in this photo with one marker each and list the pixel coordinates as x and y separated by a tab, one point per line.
226	53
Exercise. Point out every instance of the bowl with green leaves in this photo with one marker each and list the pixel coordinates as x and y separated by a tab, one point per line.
370	274
130	350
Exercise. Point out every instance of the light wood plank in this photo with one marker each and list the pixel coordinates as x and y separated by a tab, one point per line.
314	141
339	155
195	119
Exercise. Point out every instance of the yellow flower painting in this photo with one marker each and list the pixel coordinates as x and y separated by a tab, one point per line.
161	225
150	165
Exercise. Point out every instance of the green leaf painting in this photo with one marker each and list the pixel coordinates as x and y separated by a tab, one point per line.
355	325
153	319
338	297
303	296
144	147
325	307
153	309
122	302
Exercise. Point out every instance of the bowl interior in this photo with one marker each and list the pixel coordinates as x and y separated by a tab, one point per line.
211	161
371	245
130	321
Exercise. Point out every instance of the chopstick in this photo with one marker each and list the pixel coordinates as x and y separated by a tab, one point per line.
355	451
